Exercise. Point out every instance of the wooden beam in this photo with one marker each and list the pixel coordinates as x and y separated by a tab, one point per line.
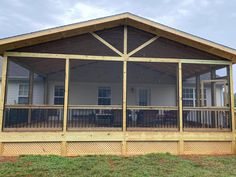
107	44
231	88
62	56
124	102
64	148
175	60
198	93
66	96
115	58
143	45
180	102
213	91
124	105
3	90
125	40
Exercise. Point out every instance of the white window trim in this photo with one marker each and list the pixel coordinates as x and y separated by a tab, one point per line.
24	95
54	89
194	96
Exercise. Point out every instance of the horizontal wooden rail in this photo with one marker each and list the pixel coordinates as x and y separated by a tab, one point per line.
206	108
134	107
109	107
21	106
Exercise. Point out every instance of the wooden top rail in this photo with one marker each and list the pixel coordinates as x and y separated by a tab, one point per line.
168	108
108	107
22	106
206	108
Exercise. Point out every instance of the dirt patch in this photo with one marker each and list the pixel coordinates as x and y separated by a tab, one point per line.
201	161
111	163
8	159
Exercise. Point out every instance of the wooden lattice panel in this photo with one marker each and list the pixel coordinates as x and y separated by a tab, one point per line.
96	148
14	149
134	148
207	147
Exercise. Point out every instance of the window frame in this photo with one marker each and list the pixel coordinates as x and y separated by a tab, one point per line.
20	95
104	97
58	96
193	99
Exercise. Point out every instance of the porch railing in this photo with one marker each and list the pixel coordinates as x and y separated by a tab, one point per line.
33	118
94	117
207	118
152	118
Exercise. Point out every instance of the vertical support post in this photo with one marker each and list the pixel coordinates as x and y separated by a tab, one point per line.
124	102
180	97
213	91
31	81
231	95
231	98
3	91
63	148
67	68
180	103
198	93
213	98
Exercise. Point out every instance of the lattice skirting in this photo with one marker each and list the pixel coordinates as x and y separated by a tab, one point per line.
115	148
94	148
201	147
43	148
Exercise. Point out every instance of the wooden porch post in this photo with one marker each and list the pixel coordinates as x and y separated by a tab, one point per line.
124	102
66	99
31	81
231	97
3	91
198	93
67	68
213	96
180	103
3	95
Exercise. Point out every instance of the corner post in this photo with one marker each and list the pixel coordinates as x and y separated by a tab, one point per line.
67	68
231	96
124	102
231	90
3	92
3	95
180	103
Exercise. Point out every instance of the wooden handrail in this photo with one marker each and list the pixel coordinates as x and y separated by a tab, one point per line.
206	108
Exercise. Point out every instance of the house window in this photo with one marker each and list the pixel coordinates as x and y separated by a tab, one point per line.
104	96
59	95
189	97
23	95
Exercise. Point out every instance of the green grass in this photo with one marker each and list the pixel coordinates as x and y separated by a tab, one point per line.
144	166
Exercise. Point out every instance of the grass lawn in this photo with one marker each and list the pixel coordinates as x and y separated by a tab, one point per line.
148	165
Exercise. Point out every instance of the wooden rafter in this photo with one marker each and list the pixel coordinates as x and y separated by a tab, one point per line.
107	44
143	45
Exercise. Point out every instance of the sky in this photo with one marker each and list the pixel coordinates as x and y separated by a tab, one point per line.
214	20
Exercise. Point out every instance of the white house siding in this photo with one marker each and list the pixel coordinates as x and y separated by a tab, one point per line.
13	92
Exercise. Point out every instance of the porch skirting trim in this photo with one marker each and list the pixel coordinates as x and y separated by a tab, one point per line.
112	142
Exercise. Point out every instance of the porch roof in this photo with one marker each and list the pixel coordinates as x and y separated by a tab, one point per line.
112	21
